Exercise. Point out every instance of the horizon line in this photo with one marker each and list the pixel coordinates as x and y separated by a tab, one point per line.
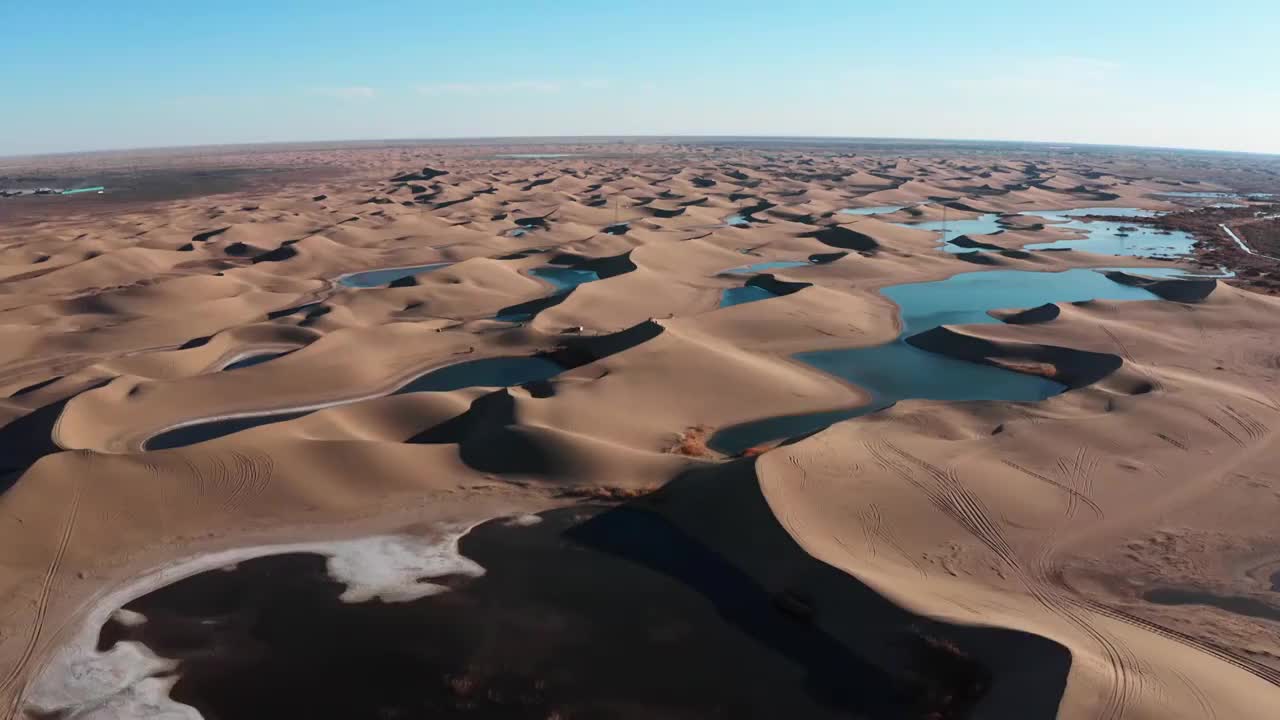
586	139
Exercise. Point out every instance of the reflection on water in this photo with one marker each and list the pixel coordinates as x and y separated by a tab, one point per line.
1114	238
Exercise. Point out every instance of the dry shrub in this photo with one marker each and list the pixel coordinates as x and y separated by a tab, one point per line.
1028	367
693	443
604	492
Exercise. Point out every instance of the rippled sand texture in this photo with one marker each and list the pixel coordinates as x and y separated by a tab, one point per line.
565	337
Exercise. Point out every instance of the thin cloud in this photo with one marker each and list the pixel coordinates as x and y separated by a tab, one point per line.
481	89
354	92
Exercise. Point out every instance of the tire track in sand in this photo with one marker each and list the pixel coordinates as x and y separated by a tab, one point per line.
46	590
1074	496
1124	678
250	473
226	479
877	533
1254	428
1225	430
1206	707
1078	472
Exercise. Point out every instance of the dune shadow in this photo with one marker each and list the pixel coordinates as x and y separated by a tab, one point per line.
582	613
845	239
1070	366
490	440
30	437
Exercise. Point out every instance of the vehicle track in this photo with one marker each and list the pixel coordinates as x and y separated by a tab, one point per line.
1176	443
1225	430
1073	495
1124	675
46	590
877	533
1252	427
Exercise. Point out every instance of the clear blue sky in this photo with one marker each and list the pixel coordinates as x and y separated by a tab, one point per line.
80	74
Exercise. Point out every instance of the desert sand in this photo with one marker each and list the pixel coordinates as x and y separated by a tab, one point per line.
200	381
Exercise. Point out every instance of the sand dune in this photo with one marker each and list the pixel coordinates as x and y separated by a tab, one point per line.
555	333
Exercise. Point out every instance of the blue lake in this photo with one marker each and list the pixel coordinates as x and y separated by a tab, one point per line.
981	225
898	371
743	295
562	279
766	266
378	278
565	278
1113	238
1103	237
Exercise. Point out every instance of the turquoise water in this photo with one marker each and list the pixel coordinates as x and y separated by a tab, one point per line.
899	371
736	219
765	266
1103	237
378	278
561	278
486	372
565	278
966	298
1107	238
981	225
877	210
743	295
